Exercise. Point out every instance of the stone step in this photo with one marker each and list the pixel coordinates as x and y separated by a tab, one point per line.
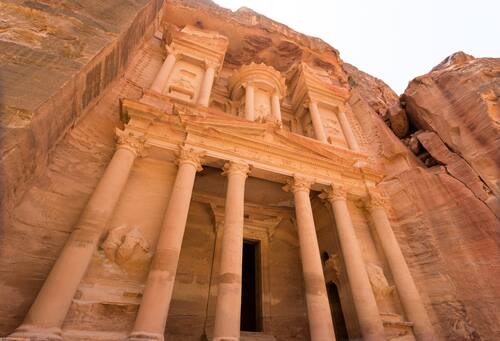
251	336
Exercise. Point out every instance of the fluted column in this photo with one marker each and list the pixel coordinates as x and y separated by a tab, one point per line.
206	85
249	102
348	133
317	123
161	79
48	311
318	307
228	305
365	304
407	290
275	107
153	311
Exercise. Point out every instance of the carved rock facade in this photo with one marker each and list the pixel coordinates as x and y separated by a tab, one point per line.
135	227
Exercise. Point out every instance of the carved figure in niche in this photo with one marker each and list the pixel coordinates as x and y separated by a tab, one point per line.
333	127
183	86
262	112
380	286
121	243
332	262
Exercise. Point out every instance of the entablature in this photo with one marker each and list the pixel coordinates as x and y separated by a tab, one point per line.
273	152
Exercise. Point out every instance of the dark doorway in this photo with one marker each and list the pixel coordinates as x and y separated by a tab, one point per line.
337	314
250	289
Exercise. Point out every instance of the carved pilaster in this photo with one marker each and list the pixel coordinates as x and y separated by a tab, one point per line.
233	167
298	184
129	141
190	156
336	192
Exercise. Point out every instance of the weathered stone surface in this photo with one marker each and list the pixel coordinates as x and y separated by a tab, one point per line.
75	70
57	59
459	100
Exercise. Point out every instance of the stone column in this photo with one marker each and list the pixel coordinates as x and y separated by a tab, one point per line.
408	293
228	305
166	69
206	85
275	107
48	311
317	123
348	133
371	325
318	307
249	102
153	311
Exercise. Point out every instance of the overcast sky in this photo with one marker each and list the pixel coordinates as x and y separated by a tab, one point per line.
395	40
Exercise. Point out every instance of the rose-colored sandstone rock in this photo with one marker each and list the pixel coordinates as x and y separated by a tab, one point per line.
441	183
459	101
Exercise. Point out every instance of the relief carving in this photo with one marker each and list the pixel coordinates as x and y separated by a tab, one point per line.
380	285
121	243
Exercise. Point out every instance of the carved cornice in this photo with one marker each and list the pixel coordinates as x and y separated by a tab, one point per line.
334	193
233	168
131	142
188	155
198	46
297	184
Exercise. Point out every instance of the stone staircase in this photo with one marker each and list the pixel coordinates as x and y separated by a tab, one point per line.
250	336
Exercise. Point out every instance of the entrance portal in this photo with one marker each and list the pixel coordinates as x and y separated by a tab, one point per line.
250	289
337	314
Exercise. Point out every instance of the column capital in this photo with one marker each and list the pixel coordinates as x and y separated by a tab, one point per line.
170	50
210	64
190	156
334	193
375	200
297	184
131	142
234	167
248	84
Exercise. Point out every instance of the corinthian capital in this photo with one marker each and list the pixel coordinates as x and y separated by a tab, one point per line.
129	141
334	193
187	155
233	167
297	184
375	200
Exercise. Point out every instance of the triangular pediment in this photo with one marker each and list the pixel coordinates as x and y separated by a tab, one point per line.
270	135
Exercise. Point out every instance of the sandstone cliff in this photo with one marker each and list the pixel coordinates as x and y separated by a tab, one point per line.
446	199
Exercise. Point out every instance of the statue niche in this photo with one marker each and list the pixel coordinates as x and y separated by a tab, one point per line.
185	81
258	88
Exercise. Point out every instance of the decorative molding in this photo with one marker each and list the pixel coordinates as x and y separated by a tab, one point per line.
259	75
128	140
375	200
190	156
334	193
233	167
297	184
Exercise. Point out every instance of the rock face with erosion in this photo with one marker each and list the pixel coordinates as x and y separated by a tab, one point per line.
174	170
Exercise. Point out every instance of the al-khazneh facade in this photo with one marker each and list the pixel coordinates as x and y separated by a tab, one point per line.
242	201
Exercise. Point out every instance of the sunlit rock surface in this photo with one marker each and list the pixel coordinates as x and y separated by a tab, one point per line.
67	66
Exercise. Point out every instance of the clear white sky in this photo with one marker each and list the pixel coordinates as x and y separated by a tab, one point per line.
395	40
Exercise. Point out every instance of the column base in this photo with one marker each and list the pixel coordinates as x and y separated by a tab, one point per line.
144	336
35	333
